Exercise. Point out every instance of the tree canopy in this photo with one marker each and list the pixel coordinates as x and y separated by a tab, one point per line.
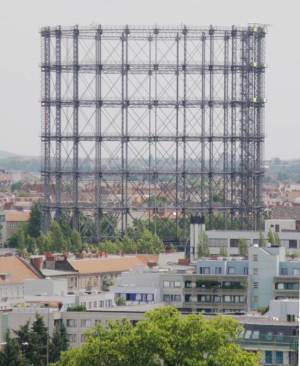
164	338
29	346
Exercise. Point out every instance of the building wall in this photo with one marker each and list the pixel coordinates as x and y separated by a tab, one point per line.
15	290
263	267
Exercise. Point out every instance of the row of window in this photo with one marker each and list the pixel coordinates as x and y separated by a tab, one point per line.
285	271
97	304
140	297
84	323
212	284
219	270
286	286
172	284
172	298
276	356
72	338
232	299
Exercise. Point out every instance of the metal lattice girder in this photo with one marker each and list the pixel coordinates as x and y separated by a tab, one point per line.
145	120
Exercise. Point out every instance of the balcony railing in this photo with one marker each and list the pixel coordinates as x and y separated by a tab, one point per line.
269	340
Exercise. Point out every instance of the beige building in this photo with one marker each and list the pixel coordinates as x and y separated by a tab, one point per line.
13	220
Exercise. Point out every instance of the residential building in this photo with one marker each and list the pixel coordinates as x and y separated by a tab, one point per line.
13	220
14	271
286	229
138	287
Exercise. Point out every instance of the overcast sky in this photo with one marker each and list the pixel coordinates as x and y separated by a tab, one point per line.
20	21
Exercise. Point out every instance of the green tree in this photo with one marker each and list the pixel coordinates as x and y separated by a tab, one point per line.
75	241
277	239
243	247
34	223
223	251
128	245
149	243
11	354
271	239
262	240
203	249
23	337
57	240
38	342
58	344
164	338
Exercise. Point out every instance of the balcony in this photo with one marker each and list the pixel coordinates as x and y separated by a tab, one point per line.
263	341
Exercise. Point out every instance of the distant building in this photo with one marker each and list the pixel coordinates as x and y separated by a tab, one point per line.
13	220
13	272
92	273
287	230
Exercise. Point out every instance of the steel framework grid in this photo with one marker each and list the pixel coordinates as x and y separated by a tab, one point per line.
140	121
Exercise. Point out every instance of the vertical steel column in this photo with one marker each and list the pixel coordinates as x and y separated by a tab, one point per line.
150	39
203	113
98	139
225	157
233	167
155	174
211	124
260	38
124	137
126	211
58	172
76	137
46	131
177	135
184	205
244	126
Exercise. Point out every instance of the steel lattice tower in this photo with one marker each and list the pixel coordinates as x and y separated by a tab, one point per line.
143	120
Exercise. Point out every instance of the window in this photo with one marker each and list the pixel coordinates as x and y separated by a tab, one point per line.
234	243
227	298
172	298
218	270
277	228
268	357
166	284
71	338
187	298
279	357
177	284
217	299
293	244
231	270
71	323
242	299
82	338
255	271
204	270
85	323
284	271
188	284
204	298
166	298
296	271
246	270
255	284
279	286
255	257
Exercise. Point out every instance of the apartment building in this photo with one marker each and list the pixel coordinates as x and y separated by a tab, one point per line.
287	230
